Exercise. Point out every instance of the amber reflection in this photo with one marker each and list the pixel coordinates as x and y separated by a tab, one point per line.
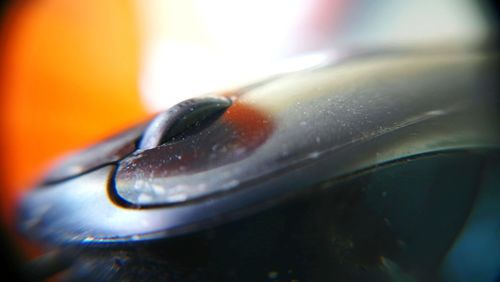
232	137
254	124
69	78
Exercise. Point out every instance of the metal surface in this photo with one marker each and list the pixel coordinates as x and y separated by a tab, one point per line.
276	140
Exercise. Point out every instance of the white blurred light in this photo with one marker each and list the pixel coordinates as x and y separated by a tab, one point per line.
205	46
191	47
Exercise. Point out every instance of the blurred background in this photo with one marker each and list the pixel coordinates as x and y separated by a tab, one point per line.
75	71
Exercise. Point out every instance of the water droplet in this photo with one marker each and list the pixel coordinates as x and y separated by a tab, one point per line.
231	184
273	275
387	222
177	197
314	155
158	189
88	239
144	198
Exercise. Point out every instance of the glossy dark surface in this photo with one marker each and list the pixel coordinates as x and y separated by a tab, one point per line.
106	152
162	175
274	141
186	115
406	220
309	117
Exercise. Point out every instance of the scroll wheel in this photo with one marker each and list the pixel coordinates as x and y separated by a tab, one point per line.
181	118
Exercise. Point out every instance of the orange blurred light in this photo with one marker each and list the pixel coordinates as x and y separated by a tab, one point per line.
69	77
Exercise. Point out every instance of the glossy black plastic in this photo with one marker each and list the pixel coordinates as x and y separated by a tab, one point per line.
276	140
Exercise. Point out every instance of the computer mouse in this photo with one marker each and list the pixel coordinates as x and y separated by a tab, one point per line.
377	166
